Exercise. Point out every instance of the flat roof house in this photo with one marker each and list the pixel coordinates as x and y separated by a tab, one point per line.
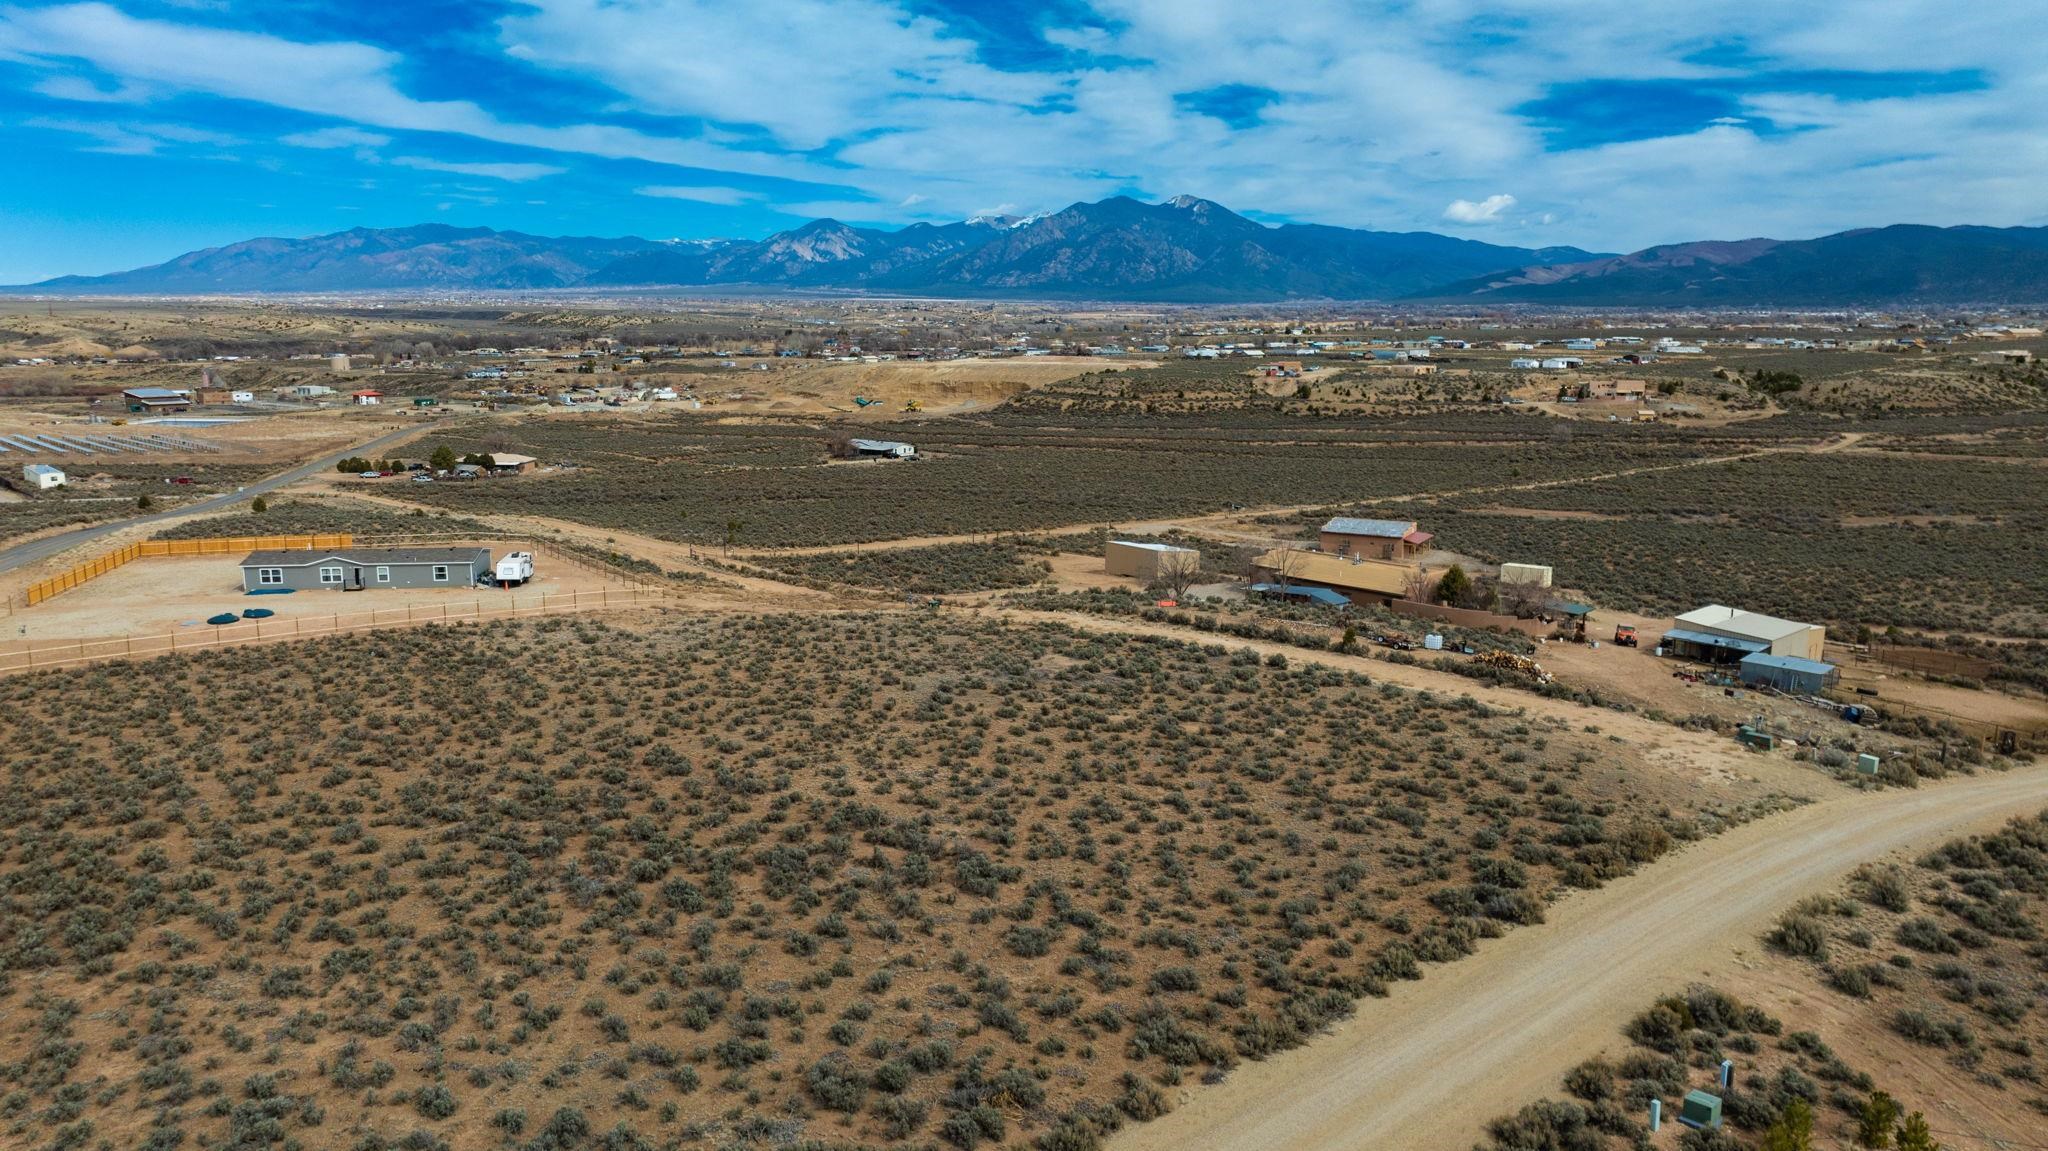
361	568
1719	634
510	462
155	400
43	476
1372	539
1358	580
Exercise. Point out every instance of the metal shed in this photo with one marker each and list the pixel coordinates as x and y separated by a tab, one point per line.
1788	673
363	568
1146	560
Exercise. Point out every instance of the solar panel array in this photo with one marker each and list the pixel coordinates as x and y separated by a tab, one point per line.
82	445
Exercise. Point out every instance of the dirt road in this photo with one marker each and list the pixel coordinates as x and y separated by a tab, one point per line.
1425	1068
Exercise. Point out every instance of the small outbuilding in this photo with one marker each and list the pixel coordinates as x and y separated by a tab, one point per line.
507	463
1147	561
43	477
1537	574
1788	673
362	568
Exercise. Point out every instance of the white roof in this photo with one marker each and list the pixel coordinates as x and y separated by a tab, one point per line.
1743	623
1150	547
508	459
879	445
43	470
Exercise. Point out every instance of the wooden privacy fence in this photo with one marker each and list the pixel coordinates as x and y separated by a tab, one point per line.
279	629
214	545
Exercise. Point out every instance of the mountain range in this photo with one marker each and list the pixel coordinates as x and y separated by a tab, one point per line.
1185	249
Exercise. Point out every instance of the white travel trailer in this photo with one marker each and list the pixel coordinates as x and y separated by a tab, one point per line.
515	568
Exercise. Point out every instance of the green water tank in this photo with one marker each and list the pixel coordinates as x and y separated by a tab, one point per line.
1700	1109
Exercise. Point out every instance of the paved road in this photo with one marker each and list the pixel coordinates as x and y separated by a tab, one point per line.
35	550
1425	1068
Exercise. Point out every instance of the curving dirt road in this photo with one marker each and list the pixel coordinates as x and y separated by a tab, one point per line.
1425	1068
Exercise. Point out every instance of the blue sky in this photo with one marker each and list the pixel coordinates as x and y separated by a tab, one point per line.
139	129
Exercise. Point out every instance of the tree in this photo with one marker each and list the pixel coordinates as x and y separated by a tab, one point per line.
1874	1125
732	534
1794	1129
1913	1134
1178	572
1288	562
1454	586
1421	586
443	458
1523	600
260	505
144	503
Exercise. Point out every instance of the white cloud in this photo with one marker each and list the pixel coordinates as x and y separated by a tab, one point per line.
131	139
336	137
900	116
711	195
516	173
1487	211
348	81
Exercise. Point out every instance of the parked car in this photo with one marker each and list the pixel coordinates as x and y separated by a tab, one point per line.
369	475
423	478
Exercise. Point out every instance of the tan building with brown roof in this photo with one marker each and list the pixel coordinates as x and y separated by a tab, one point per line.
1360	580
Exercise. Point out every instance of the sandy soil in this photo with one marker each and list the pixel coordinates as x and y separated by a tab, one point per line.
1912	693
1074	571
1425	1068
173	594
944	387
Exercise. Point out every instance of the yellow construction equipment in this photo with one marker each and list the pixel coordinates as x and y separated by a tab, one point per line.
913	406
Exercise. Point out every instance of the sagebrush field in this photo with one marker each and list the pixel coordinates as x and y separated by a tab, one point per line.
850	879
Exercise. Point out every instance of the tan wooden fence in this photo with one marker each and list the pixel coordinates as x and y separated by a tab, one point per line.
213	545
245	632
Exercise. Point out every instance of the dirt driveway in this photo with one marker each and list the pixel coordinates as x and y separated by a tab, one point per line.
1424	1069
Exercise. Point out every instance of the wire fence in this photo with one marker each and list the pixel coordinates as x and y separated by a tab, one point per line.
247	632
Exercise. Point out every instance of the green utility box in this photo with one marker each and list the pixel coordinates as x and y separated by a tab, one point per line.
1751	737
1700	1110
1867	765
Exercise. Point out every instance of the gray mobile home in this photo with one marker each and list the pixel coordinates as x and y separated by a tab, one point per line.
352	568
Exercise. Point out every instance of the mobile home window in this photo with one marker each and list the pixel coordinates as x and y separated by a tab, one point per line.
270	575
440	573
383	573
330	575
